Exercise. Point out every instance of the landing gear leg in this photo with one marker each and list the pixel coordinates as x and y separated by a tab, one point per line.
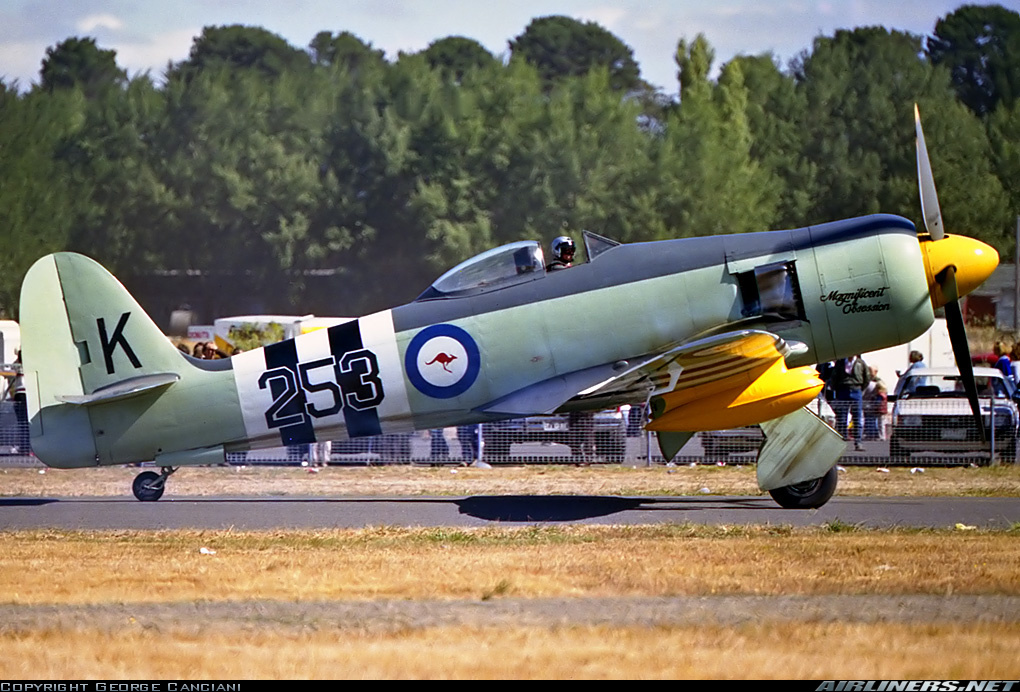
148	486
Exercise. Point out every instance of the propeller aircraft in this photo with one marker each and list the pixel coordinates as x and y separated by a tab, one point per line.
711	332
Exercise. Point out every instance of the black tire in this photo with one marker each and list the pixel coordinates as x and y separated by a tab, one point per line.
807	495
142	487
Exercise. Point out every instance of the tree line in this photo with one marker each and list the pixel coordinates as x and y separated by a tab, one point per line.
260	177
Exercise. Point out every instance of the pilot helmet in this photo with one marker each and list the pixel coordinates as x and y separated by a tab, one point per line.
563	248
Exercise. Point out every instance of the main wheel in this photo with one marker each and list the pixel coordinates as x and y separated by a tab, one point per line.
807	495
148	487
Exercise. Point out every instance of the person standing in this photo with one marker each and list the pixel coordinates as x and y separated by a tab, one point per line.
20	399
320	453
439	449
581	425
467	436
916	359
875	406
850	377
1002	363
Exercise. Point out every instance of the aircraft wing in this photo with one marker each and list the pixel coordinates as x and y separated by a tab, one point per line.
717	362
732	380
710	364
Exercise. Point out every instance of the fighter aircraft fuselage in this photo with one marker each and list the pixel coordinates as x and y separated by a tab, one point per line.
838	289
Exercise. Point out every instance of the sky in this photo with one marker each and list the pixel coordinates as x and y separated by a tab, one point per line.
147	34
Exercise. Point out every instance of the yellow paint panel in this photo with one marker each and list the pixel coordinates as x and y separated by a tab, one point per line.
733	402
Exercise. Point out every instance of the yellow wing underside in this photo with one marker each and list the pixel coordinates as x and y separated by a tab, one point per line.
740	380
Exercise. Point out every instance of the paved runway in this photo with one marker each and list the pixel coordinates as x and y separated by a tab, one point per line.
352	512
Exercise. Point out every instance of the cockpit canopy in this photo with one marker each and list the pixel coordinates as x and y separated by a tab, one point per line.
496	268
507	265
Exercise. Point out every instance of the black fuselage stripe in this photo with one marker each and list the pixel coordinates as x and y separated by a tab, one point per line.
284	355
345	338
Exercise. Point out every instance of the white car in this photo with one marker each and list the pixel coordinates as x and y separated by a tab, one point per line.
932	414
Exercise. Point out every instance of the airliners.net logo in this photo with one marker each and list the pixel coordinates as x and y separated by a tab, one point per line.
918	686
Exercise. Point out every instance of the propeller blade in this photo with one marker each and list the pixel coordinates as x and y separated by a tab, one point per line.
946	280
958	337
926	182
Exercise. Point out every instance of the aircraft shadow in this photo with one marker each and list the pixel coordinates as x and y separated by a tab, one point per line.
577	507
26	501
498	508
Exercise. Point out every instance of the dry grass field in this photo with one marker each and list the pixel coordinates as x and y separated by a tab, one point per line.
1000	481
636	602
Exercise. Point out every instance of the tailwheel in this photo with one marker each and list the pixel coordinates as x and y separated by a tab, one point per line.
148	486
807	495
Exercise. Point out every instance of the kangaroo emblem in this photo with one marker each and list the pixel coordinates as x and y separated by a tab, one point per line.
443	359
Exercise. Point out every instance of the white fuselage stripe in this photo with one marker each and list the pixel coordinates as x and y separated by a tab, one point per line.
311	389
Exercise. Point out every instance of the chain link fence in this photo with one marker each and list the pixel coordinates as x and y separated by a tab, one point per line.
942	433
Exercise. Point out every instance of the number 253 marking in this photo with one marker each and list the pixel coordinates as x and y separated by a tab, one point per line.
350	380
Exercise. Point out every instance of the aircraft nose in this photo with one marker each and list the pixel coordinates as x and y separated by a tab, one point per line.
972	260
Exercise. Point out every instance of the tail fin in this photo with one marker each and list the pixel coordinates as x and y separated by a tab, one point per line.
104	384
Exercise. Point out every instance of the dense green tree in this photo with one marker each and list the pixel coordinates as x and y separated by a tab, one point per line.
448	199
241	48
510	105
78	62
263	178
775	116
241	160
708	182
1004	138
693	62
860	87
366	162
109	172
346	51
36	205
593	162
980	45
455	56
561	47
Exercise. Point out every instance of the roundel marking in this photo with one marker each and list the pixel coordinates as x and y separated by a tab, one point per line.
442	361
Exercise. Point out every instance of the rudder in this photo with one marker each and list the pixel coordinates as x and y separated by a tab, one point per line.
97	369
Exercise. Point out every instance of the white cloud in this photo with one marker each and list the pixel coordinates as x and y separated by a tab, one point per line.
156	52
99	21
608	17
21	61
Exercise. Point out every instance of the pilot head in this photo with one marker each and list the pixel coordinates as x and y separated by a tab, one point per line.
563	249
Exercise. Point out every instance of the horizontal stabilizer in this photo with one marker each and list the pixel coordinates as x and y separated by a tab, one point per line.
798	447
123	389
